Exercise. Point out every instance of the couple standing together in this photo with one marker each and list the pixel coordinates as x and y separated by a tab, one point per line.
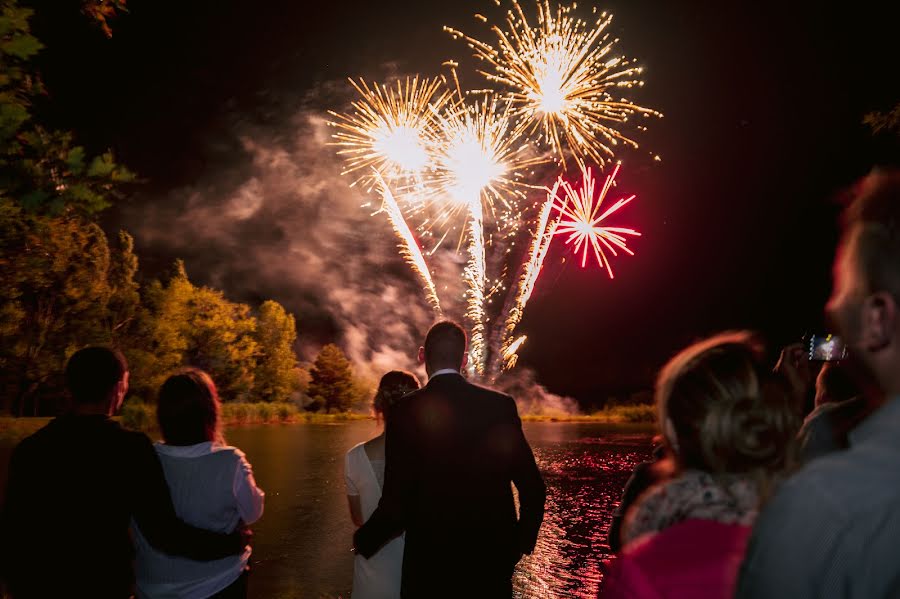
432	495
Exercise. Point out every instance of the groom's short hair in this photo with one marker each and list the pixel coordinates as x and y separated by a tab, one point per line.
445	344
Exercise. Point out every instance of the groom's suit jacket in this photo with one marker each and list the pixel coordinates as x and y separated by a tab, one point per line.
452	450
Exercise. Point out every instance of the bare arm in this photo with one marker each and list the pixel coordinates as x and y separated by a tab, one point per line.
355	510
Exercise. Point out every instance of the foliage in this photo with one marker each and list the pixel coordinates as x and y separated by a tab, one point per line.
42	170
331	384
888	122
277	373
101	11
55	293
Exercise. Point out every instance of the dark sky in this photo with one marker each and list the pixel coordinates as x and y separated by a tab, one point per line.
763	105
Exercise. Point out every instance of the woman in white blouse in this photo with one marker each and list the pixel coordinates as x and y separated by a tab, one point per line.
379	576
212	487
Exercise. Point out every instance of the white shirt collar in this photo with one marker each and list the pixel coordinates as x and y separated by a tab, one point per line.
443	371
185	451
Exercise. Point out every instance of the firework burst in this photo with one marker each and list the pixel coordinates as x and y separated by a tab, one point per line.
452	162
581	220
479	165
561	76
388	127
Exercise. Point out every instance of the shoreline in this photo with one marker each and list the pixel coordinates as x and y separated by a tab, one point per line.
13	429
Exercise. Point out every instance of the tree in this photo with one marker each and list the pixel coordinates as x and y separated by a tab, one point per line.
54	292
185	325
884	121
277	376
332	385
220	335
40	169
124	298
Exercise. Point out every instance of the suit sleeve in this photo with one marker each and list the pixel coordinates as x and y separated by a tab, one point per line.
388	519
13	513
529	483
155	514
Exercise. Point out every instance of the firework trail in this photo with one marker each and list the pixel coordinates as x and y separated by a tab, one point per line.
581	222
514	309
479	165
409	248
561	76
443	162
476	280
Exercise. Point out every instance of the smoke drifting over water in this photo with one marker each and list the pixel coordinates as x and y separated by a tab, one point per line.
532	397
275	219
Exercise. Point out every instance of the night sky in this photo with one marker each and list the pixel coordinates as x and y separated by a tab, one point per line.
763	105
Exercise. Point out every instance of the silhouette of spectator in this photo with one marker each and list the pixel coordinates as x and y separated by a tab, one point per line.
74	487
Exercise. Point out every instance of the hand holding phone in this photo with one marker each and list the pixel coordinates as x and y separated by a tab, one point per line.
826	348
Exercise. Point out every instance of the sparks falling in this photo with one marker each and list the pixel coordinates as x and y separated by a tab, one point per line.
409	249
457	164
479	165
561	76
581	220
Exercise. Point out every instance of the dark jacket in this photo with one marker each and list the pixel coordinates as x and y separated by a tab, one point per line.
73	488
452	450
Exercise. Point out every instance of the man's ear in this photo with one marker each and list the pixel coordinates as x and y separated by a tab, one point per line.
421	356
879	321
465	359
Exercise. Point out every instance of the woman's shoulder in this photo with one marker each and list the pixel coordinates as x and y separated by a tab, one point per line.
355	453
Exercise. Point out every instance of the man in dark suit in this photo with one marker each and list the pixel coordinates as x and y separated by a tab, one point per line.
452	450
74	487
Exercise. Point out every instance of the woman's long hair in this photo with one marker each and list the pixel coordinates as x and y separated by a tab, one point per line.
188	409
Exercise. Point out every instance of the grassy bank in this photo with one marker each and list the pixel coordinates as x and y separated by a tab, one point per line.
140	416
633	414
12	430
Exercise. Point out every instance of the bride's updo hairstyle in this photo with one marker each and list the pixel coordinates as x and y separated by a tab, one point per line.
722	411
393	386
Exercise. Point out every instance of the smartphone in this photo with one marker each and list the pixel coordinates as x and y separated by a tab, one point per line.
826	348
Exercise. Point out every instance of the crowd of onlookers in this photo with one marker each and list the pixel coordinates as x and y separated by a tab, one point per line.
747	498
747	494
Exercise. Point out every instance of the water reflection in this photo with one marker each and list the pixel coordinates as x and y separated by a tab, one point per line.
302	543
585	469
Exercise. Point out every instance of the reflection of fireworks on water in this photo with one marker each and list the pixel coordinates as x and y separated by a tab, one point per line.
581	218
561	75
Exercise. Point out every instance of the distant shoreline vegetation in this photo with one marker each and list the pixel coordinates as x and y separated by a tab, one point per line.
141	416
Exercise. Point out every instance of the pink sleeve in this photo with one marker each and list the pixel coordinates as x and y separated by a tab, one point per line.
623	579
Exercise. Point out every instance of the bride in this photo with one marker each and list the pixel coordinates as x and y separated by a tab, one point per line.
379	576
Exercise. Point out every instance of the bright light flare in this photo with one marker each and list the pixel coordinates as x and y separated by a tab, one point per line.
580	220
388	127
478	157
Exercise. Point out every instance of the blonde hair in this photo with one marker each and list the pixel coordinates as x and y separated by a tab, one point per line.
728	412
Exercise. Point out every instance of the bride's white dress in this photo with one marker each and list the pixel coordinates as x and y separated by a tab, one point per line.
379	576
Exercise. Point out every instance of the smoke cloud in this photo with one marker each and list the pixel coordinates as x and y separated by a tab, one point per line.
274	218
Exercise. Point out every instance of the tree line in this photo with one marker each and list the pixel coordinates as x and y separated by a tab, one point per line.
64	284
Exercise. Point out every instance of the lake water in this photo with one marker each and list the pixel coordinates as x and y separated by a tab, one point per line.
302	543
